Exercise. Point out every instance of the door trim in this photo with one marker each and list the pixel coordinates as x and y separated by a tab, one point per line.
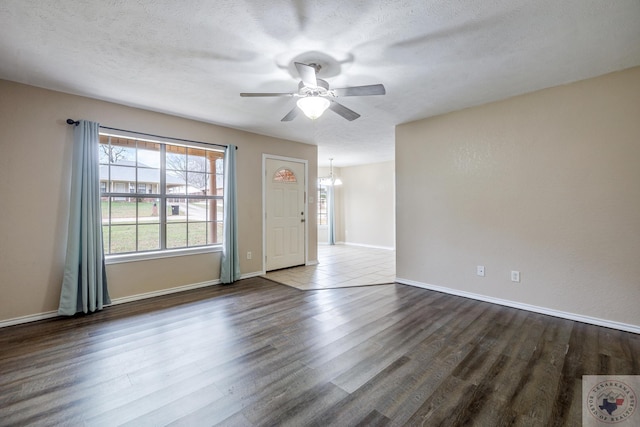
264	205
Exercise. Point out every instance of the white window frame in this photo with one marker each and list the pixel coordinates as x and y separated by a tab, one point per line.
163	197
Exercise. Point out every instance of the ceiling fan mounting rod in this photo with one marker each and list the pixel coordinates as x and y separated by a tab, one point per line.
315	92
315	66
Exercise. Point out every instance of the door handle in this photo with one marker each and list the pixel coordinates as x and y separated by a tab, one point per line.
302	220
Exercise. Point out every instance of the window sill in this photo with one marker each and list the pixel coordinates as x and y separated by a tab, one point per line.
170	253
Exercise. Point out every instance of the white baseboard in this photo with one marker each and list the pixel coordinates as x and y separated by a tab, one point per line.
362	245
146	295
29	318
536	309
115	301
254	274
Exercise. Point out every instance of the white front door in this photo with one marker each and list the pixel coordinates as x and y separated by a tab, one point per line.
285	213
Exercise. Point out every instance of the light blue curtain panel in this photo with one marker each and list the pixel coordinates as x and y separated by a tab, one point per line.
230	263
84	286
331	215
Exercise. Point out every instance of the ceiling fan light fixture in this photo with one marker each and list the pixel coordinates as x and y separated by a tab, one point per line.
313	106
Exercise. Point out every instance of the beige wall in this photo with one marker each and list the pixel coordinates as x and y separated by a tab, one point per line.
546	183
365	205
35	150
367	196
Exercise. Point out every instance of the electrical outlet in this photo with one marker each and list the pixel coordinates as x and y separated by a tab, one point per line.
248	255
480	270
515	276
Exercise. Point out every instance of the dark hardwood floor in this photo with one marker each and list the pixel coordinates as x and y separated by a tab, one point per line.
260	353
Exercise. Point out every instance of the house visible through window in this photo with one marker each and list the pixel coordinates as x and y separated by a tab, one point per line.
157	196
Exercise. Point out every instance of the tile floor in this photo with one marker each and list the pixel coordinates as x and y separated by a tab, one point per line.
341	266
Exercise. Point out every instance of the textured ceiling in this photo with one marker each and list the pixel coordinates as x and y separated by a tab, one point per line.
193	57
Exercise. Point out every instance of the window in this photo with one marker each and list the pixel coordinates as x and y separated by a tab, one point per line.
322	205
284	175
158	196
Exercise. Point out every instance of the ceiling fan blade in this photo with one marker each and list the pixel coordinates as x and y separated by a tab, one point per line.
343	111
361	90
307	74
291	115
252	95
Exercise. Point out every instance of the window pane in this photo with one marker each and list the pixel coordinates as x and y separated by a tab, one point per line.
214	185
123	238
103	149
176	163
177	235
214	214
121	176
104	202
197	210
148	211
197	183
176	158
121	150
148	237
106	219
197	233
322	205
123	210
284	175
197	160
148	180
220	174
148	154
219	214
212	159
176	182
116	150
105	238
176	209
214	232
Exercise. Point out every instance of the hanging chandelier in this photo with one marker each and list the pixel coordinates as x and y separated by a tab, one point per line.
331	179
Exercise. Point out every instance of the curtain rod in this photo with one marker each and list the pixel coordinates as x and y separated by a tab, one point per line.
76	123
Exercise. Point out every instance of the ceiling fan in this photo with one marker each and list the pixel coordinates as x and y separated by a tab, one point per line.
315	96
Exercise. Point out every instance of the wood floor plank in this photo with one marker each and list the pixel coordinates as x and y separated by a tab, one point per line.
355	408
295	409
373	419
260	353
226	411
